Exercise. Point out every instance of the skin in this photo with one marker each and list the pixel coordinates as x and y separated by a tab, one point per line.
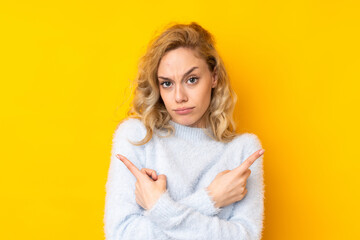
180	87
186	81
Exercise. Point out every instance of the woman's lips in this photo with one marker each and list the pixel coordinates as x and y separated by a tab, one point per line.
185	111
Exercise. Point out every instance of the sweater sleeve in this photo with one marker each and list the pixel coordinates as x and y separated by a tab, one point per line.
123	218
182	222
250	210
201	201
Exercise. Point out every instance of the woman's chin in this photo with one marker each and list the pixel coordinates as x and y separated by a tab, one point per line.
186	121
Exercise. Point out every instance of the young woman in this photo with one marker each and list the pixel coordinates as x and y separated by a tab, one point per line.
178	169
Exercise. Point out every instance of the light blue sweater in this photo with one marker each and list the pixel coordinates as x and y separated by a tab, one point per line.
190	160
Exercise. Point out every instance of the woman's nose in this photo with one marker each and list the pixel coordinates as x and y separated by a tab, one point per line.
180	94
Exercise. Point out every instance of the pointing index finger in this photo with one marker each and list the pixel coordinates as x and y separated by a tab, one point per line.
250	160
133	169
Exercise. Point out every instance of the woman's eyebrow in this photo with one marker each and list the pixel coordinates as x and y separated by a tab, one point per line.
188	72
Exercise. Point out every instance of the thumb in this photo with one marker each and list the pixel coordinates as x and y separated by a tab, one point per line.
223	172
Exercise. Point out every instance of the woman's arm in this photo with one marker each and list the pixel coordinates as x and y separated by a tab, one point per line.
202	202
246	222
123	216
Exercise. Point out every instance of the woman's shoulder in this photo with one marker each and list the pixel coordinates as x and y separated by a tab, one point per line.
132	128
131	122
249	140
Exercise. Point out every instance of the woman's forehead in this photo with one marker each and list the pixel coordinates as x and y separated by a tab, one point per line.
178	62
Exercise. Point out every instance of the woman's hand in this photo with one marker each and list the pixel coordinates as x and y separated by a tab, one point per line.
147	190
230	186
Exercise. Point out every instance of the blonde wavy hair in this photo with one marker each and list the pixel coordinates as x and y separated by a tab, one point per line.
148	105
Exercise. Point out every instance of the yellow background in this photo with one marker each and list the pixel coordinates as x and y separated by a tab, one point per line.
65	70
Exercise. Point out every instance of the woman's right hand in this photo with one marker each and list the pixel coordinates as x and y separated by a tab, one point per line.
229	186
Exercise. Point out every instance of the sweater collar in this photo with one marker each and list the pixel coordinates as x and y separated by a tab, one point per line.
190	133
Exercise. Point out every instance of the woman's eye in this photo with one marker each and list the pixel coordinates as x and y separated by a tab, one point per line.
195	79
165	84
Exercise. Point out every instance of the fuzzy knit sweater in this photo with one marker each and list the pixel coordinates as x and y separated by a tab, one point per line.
190	159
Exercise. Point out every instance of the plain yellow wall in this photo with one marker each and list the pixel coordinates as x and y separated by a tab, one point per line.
66	68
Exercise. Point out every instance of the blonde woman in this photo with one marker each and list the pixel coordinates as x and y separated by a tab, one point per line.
178	169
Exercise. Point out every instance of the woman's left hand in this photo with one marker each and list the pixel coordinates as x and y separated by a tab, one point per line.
147	190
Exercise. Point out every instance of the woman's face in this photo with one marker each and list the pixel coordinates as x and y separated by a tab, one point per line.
185	82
